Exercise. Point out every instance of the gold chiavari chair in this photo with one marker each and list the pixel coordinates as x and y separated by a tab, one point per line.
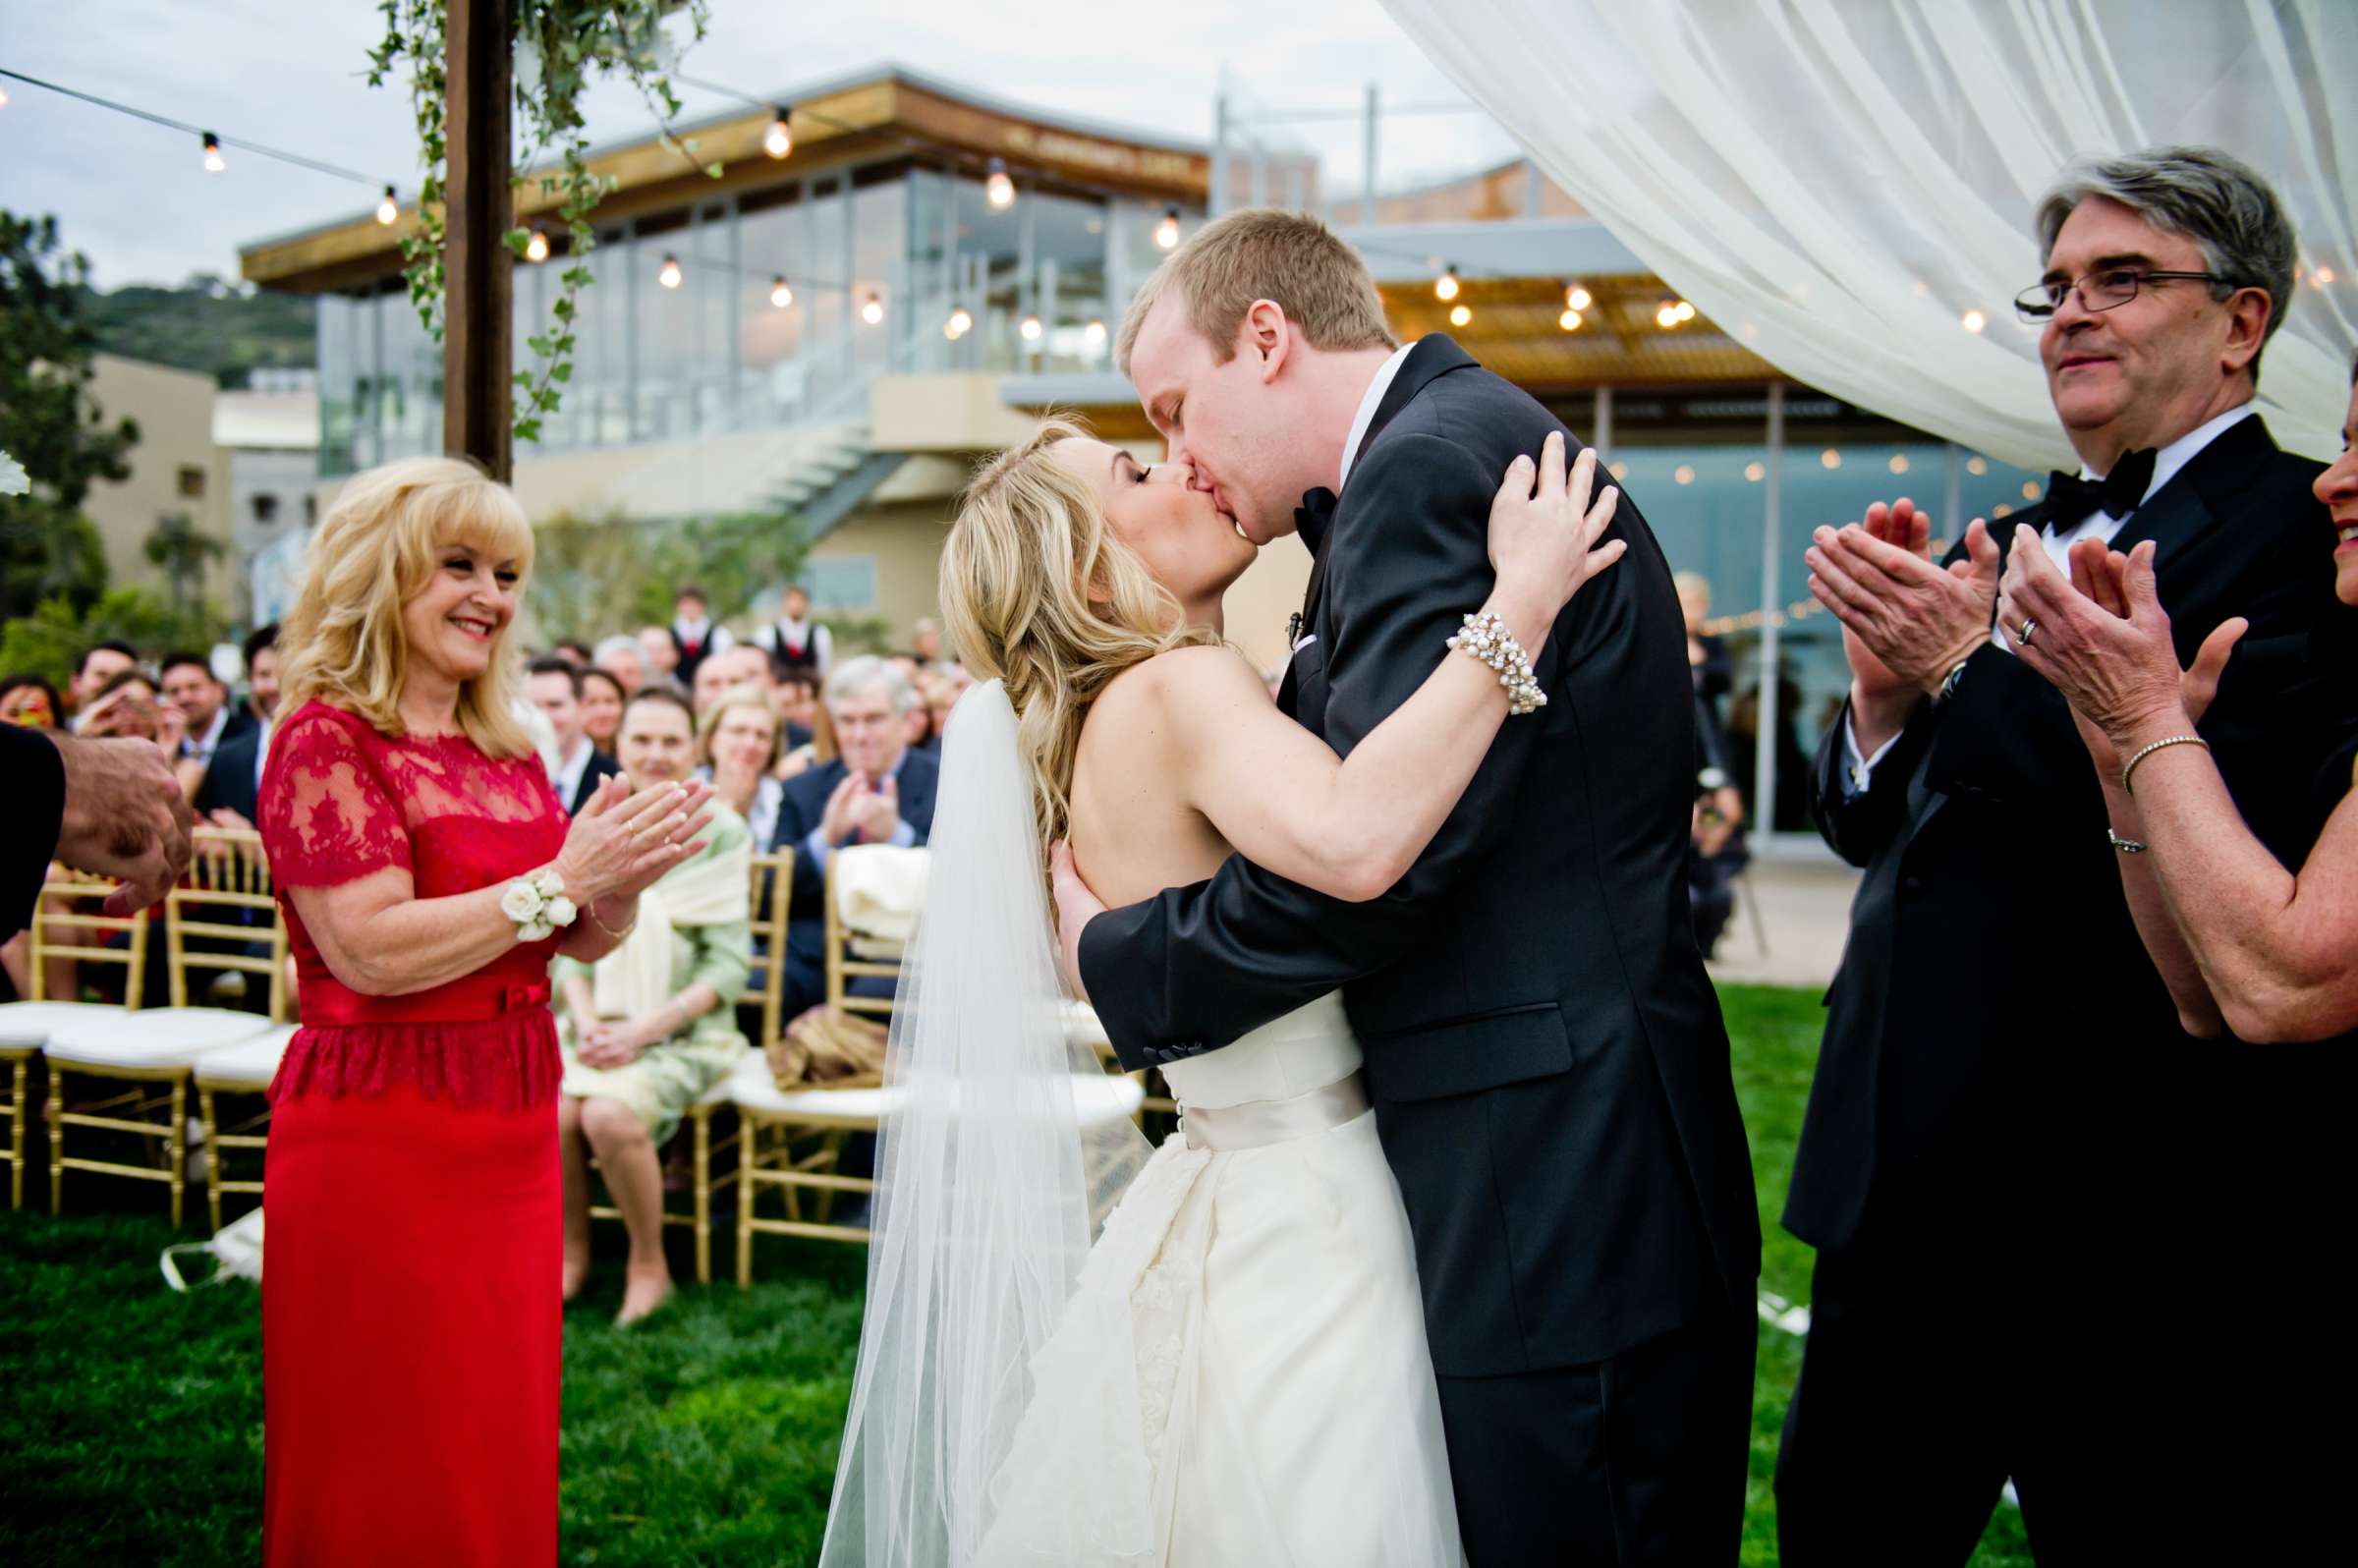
60	929
772	875
792	1140
229	873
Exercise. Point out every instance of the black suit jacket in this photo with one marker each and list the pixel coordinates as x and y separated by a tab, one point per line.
1999	1051
229	778
1544	1051
803	806
594	772
36	798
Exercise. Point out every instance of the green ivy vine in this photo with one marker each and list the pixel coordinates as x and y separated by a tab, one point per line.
558	44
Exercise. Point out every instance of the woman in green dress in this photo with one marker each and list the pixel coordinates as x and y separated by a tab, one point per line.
648	1029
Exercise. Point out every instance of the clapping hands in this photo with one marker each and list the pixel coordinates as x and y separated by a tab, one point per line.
621	844
1906	622
872	810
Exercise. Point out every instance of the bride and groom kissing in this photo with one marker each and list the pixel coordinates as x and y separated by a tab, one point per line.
1453	1256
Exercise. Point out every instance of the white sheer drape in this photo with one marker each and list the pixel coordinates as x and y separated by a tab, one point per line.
1846	187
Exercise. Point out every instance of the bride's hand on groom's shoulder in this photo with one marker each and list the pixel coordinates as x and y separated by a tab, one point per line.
1076	907
1543	533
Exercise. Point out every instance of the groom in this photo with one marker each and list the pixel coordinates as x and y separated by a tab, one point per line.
1544	1049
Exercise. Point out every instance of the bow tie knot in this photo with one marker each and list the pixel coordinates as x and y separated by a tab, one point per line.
2120	492
1312	515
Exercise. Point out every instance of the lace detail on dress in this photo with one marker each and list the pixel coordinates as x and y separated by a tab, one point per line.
327	815
502	1064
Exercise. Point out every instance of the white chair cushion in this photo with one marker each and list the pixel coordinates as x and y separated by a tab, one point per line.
33	1023
153	1038
249	1064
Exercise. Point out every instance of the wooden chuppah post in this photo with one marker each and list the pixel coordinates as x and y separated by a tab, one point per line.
478	344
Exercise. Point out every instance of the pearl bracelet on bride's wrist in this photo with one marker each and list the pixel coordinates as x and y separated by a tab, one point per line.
1486	637
538	904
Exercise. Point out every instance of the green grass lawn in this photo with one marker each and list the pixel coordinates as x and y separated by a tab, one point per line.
132	1417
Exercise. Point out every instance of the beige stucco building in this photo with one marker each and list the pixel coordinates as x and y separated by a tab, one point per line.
175	468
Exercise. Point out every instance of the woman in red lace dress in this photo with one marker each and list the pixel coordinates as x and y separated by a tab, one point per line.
409	1314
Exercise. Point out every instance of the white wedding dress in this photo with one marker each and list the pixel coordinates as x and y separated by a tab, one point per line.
1258	1285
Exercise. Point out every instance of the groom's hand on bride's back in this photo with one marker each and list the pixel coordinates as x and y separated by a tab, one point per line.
1076	907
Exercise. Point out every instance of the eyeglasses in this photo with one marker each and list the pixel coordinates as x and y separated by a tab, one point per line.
2106	289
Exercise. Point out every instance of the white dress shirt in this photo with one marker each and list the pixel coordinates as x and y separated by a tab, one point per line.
2097	525
566	777
1367	406
813	638
711	637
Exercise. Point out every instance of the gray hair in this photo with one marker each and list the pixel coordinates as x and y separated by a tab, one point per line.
608	647
869	673
2229	212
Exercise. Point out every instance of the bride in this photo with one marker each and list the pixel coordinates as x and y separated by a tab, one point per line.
1235	1372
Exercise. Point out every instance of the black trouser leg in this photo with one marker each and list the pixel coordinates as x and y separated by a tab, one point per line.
1636	1460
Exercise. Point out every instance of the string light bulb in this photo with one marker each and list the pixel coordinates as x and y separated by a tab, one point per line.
1972	321
3	97
960	324
998	188
1030	328
781	293
872	310
1570	320
388	210
1665	316
212	154
1444	287
1460	314
1167	233
778	139
670	275
1685	311
536	249
1094	334
1577	298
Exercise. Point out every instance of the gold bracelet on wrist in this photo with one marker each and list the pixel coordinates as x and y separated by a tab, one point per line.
2129	767
621	936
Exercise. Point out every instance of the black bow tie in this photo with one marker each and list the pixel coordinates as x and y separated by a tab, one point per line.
2120	492
1312	515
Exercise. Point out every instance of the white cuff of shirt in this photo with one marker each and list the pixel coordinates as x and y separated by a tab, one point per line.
816	845
1860	771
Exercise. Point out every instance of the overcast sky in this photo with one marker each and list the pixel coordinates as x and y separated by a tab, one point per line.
288	72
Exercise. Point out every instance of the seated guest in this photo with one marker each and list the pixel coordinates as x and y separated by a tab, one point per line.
602	697
727	669
738	746
621	657
794	694
554	687
31	702
233	780
2005	1087
190	683
573	651
2247	947
661	653
651	1027
875	791
99	664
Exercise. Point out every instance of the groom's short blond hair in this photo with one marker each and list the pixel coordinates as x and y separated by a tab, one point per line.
1263	253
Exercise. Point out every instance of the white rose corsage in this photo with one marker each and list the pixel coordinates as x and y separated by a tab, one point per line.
538	904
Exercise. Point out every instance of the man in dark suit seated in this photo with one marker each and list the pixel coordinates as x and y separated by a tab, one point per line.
877	791
554	686
233	777
2011	1143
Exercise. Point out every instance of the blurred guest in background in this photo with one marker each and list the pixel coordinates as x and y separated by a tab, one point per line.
553	685
693	636
602	697
232	785
661	655
739	746
796	697
795	639
621	657
573	651
652	1026
261	672
29	701
99	664
190	685
732	667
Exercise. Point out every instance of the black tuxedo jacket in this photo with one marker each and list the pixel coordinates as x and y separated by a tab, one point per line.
803	806
594	772
1544	1051
36	797
229	778
1999	1051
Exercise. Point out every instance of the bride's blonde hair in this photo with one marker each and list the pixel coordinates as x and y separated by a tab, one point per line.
343	643
1039	592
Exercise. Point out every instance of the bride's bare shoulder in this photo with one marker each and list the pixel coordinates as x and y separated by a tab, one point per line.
1178	681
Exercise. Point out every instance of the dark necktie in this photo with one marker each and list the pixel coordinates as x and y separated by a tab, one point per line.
2120	492
1310	523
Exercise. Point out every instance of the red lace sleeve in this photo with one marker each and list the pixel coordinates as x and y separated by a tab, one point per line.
328	816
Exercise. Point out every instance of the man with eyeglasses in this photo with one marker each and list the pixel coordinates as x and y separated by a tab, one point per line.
2045	1215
